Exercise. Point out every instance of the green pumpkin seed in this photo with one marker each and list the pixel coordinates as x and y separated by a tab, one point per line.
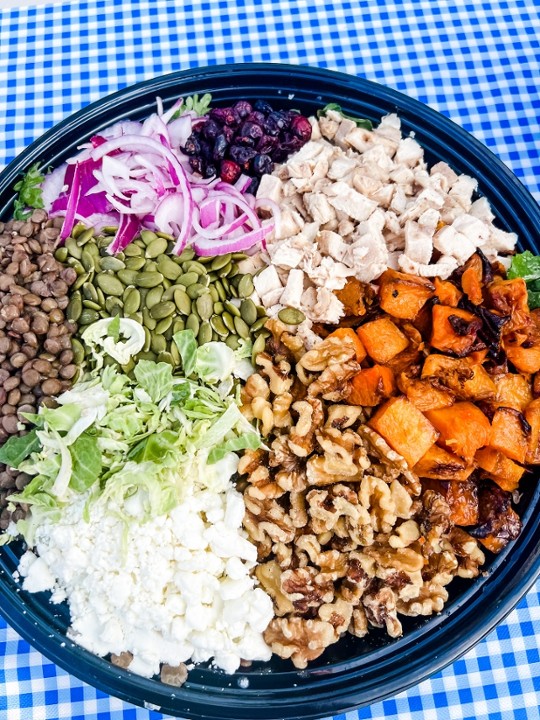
73	249
110	285
205	306
80	281
76	265
166	357
205	334
192	323
220	290
182	302
137	316
233	342
179	324
100	297
163	325
242	328
74	308
188	279
233	272
219	307
156	247
132	302
158	344
87	317
128	277
261	311
78	228
214	293
231	307
128	367
148	320
246	286
258	347
168	268
239	256
234	291
147	339
133	250
89	292
61	254
168	334
229	321
248	310
196	290
147	355
153	297
226	285
224	271
219	326
194	266
111	303
91	304
134	263
148	279
162	309
88	260
109	230
220	262
85	236
147	236
259	324
112	263
187	254
78	351
175	354
291	316
150	266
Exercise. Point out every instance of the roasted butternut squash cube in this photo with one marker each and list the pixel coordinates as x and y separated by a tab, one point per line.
404	428
356	296
499	468
454	330
348	334
463	428
402	295
382	339
513	391
439	464
472	280
524	359
498	521
509	433
510	298
532	416
462	499
426	394
467	379
447	292
371	386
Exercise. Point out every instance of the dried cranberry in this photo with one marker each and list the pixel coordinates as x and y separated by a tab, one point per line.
205	148
242	155
266	144
209	171
301	127
197	164
251	130
262	164
192	146
242	108
229	171
228	132
256	117
220	147
210	129
253	186
263	107
245	141
224	116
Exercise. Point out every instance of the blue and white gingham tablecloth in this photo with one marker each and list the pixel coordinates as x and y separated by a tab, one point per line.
478	62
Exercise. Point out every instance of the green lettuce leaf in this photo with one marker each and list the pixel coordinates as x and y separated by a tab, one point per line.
113	330
525	265
17	449
214	361
249	441
360	122
29	189
155	378
87	464
187	347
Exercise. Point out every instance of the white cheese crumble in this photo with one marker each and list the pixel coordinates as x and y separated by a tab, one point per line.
172	589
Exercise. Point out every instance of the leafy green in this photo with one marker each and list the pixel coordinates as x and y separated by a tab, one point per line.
155	378
249	441
17	449
527	266
360	122
199	106
187	347
29	193
86	462
214	362
113	331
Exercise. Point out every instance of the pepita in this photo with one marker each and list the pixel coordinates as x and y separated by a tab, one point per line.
85	236
153	297
166	357
148	320
110	284
168	268
194	266
246	286
219	326
92	305
182	302
233	342
156	247
291	316
61	254
163	325
205	306
229	322
187	254
135	263
133	250
147	339
147	236
80	281
248	310
219	307
111	303
258	347
259	324
188	279
74	308
175	353
179	324
78	351
231	307
241	327
220	262
112	263
73	249
158	344
192	323
205	333
162	309
89	292
196	290
87	317
148	279
132	301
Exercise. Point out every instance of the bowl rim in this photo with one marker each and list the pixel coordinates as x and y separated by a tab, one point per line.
348	684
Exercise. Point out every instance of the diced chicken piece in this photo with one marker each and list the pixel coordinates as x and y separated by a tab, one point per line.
270	188
251	264
393	260
330	243
418	243
328	273
388	144
328	308
289	223
286	253
443	268
360	139
369	252
403	176
292	294
328	127
365	184
444	169
502	241
450	242
472	228
345	228
391	222
306	334
429	220
390	126
462	190
395	241
384	195
341	167
315	129
428	198
377	155
399	200
343	197
313	152
319	208
480	209
345	127
299	170
409	152
268	286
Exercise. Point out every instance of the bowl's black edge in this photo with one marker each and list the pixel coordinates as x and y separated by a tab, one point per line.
320	691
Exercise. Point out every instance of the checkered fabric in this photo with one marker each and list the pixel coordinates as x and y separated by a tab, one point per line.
477	62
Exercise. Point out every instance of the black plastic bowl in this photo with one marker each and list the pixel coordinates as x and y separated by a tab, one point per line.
353	672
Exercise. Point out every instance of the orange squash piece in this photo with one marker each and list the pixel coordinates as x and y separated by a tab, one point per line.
447	292
498	521
499	468
508	434
525	359
462	499
510	297
402	295
355	296
439	464
425	394
372	385
382	339
532	416
453	330
404	428
349	333
513	391
471	280
467	379
463	428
